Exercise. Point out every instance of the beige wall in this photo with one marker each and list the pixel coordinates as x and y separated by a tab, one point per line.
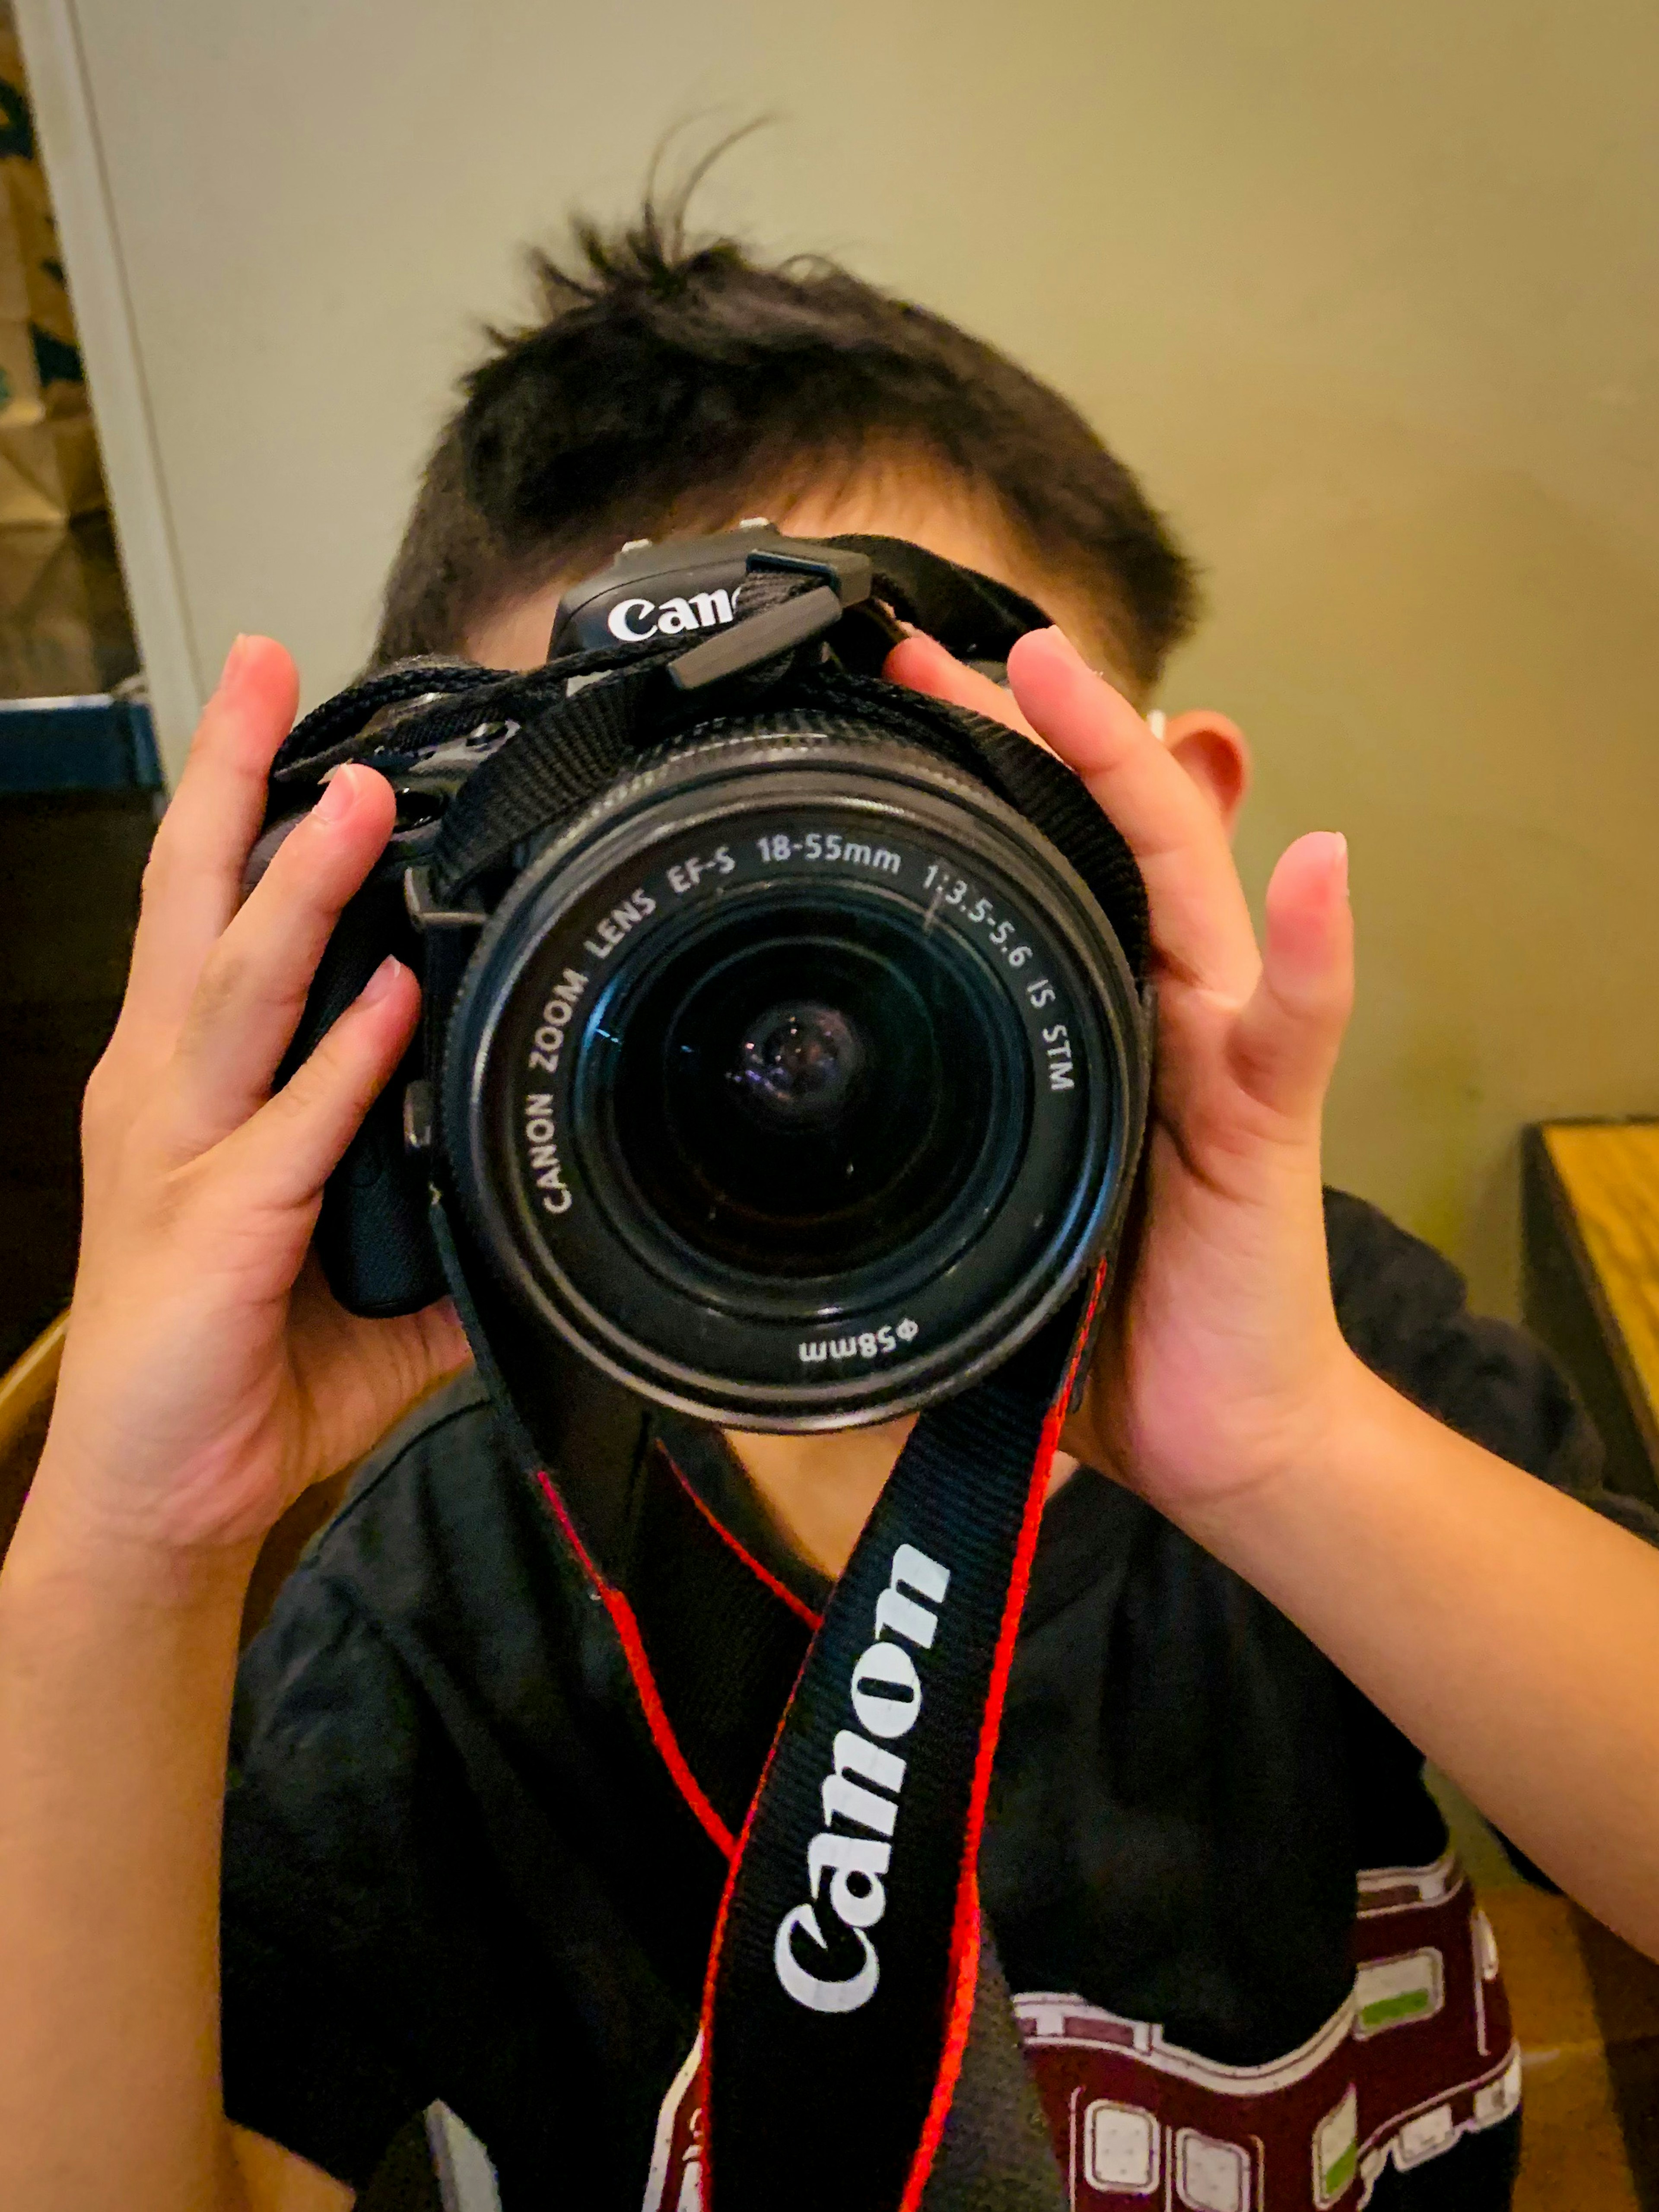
1367	292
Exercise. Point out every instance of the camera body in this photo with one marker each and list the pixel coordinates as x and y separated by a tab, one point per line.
786	1049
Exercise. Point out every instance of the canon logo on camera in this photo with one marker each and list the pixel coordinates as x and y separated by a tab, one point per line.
634	621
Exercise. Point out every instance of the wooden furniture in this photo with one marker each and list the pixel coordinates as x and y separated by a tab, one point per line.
27	1390
1590	1223
1586	2012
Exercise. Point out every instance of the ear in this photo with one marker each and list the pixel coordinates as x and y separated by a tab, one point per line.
1215	754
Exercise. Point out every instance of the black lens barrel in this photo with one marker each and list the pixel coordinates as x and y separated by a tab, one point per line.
796	1082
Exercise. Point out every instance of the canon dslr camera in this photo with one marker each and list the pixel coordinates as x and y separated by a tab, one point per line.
785	1049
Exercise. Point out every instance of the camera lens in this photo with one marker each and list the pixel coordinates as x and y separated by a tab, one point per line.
794	1084
797	1066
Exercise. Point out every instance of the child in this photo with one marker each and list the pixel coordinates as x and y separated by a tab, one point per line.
456	1865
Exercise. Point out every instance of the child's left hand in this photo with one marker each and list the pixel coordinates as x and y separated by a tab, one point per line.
1223	1363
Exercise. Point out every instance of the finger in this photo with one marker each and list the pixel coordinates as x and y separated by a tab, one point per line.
253	983
284	1155
192	883
1201	922
922	664
1283	1048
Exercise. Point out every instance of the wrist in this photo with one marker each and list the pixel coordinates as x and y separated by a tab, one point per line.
1299	1480
65	1540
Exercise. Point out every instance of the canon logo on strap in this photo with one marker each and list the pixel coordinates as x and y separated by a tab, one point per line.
634	621
886	1698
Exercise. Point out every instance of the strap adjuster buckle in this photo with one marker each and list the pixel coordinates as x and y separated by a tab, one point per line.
848	581
426	913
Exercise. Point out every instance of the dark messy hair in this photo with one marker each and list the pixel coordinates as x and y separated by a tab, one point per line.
672	386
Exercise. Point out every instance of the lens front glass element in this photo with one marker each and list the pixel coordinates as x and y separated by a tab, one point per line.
798	1067
806	1087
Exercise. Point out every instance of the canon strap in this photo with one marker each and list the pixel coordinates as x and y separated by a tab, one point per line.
841	1981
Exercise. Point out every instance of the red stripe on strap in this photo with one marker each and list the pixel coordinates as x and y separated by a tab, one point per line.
796	1606
965	1932
711	1974
627	1626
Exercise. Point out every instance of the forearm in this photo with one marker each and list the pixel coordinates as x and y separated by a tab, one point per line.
115	1681
1510	1632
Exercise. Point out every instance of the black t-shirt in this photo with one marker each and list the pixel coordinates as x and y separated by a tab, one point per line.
459	1867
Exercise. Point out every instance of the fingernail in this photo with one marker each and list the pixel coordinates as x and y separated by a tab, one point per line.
233	659
1336	854
381	981
338	792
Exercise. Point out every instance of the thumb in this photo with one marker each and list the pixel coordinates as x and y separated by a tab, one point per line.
1283	1045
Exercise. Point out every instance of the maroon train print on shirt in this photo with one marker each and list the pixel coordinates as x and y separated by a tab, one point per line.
1420	2054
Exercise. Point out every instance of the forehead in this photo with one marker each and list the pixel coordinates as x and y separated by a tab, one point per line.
948	522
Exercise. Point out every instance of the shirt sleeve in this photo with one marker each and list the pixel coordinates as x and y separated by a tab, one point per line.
1404	1310
323	1737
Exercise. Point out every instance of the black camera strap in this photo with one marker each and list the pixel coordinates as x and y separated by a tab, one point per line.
845	1959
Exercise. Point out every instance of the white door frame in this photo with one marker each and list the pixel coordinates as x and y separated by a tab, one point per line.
66	119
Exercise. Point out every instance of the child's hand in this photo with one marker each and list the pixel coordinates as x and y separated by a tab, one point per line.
1223	1362
208	1375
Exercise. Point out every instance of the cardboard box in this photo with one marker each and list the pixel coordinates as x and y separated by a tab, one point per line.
39	375
1586	2012
47	640
49	470
32	286
21	396
17	123
64	629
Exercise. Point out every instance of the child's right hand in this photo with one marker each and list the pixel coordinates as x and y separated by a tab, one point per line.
208	1375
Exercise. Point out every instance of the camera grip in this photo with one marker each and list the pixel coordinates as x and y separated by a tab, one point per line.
371	1238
